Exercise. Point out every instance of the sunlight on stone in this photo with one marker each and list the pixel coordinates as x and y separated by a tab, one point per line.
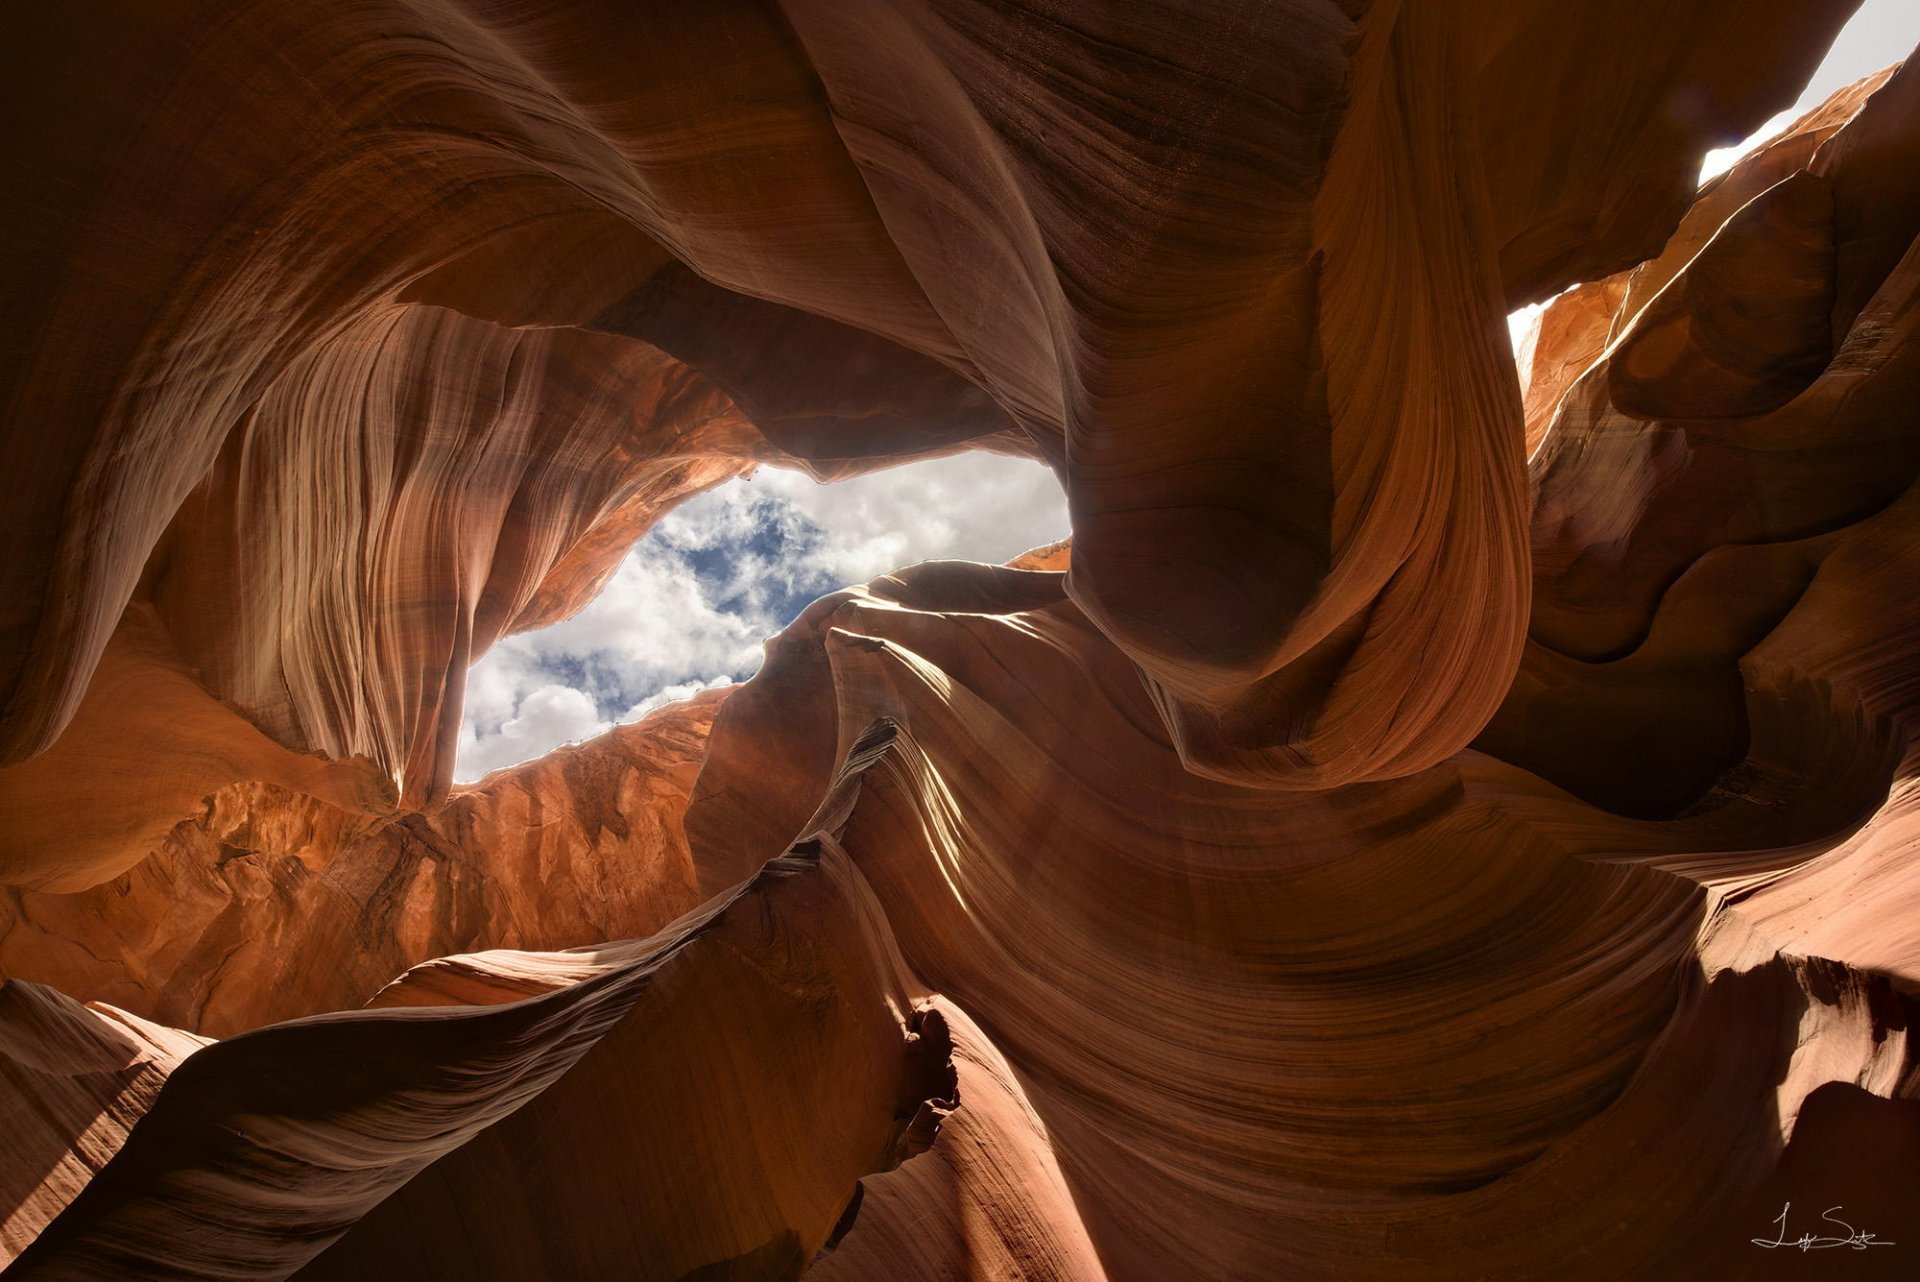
690	606
1880	34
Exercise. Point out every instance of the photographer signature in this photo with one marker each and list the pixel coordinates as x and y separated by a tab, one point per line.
1854	1240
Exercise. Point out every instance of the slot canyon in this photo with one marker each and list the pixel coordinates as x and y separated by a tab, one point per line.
1440	814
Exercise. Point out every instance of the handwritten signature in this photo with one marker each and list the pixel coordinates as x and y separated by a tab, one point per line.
1854	1240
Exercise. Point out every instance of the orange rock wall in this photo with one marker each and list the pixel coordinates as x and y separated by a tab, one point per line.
1416	828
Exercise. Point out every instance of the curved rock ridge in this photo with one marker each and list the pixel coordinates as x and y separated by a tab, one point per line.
77	1078
515	254
414	445
274	905
1420	825
1665	549
1331	1030
355	1144
987	1201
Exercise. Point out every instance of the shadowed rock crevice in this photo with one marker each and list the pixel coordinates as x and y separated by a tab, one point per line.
1427	822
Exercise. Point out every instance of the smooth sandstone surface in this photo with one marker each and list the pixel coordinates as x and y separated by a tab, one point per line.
77	1078
1424	823
272	904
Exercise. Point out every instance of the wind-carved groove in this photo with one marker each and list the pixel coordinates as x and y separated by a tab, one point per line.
1359	852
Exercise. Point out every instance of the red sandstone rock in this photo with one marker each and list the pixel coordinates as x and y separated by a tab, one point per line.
1410	831
272	904
73	1080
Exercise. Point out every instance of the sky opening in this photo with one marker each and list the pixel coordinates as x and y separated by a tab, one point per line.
1880	33
693	601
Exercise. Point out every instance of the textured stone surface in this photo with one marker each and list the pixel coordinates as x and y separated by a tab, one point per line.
1422	824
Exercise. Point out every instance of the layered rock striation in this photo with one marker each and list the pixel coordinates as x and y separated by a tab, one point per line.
1432	820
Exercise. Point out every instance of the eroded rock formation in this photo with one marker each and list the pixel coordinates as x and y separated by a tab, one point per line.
1426	824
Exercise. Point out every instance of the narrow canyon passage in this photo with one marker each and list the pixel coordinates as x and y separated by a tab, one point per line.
550	730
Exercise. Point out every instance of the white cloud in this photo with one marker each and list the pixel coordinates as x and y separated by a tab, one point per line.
1880	33
689	607
543	719
979	507
673	694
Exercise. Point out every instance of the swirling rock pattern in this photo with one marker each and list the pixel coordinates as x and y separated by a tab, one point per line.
1423	824
272	904
77	1079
